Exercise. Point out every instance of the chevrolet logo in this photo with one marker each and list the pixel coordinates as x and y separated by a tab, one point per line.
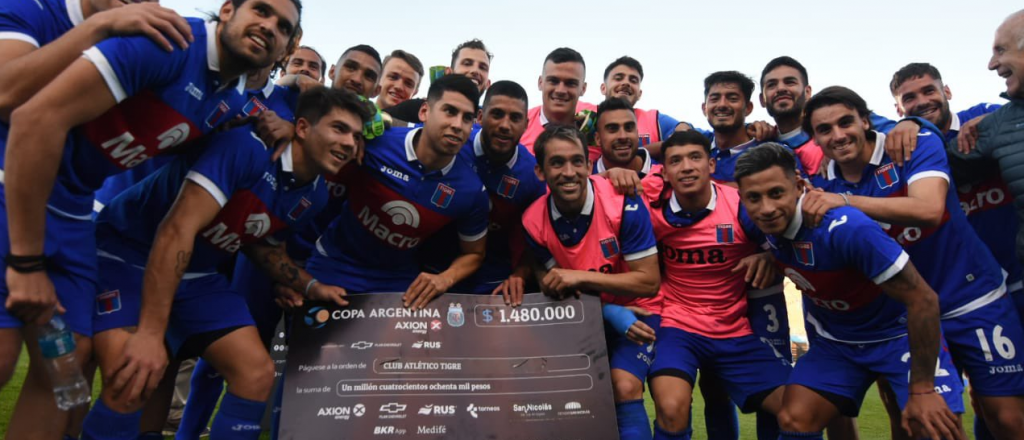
392	408
362	345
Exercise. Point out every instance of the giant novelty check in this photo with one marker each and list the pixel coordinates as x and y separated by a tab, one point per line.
466	367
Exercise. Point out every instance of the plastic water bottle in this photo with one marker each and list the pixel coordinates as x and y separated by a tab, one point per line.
58	347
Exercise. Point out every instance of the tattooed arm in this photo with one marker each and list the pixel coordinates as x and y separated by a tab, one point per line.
926	412
144	358
276	263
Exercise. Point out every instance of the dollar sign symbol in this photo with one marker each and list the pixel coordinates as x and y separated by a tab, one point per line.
487	315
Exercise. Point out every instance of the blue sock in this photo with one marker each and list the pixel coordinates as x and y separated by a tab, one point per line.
103	423
275	415
206	387
767	426
981	431
151	436
783	435
661	434
721	421
633	421
238	418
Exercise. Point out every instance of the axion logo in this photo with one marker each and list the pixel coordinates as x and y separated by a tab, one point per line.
402	213
257	224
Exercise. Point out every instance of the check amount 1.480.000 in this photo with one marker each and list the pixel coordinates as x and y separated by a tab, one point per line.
553	313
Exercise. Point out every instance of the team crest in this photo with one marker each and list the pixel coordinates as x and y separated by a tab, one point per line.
456	318
804	252
645	140
886	176
442	196
508	186
723	234
108	302
218	113
299	208
610	247
253	107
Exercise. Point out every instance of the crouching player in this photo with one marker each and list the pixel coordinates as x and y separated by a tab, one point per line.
591	239
229	197
872	313
710	250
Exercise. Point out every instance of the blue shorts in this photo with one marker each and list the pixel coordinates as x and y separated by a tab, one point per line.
769	319
843	372
70	248
201	305
987	344
747	367
627	355
250	281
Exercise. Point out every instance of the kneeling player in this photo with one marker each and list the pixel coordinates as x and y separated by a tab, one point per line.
232	197
591	239
705	236
843	267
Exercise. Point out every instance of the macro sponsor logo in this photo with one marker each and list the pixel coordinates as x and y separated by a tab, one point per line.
402	214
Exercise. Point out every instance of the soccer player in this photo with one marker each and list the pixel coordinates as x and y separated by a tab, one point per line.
919	91
784	92
872	313
622	79
616	136
922	215
588	238
306	61
507	171
727	103
562	82
227	197
126	100
400	79
411	184
358	70
473	60
710	250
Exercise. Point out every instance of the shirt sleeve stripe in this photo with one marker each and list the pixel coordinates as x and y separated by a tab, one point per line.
927	174
209	186
896	267
109	76
19	37
473	237
641	254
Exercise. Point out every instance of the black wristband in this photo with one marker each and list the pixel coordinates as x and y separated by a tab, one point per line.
26	263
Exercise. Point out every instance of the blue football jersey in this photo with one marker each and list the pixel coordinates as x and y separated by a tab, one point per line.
392	206
725	160
511	188
989	206
164	99
645	169
950	256
838	267
259	200
280	99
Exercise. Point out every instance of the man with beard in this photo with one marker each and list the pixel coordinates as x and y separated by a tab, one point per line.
919	91
562	82
616	136
784	91
917	209
411	185
126	100
622	79
507	171
586	237
474	61
358	70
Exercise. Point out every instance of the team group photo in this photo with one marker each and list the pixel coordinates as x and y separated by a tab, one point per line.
302	219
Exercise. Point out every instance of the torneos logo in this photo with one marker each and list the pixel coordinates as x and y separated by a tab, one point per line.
257	224
402	213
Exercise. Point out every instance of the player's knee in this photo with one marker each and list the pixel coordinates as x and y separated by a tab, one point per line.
121	405
1008	420
673	412
628	389
793	421
254	382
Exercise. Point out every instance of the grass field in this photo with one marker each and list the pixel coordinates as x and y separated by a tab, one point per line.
873	422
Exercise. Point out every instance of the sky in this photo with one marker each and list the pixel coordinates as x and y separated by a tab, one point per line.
854	44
